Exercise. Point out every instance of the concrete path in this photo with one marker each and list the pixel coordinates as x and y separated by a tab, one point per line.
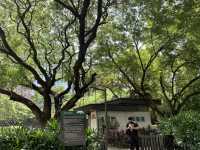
114	148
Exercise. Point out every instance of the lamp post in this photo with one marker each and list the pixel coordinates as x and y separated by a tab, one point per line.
106	120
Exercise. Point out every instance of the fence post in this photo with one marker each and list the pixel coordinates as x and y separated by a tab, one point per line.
169	142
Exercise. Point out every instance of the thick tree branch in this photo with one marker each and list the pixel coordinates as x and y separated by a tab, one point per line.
164	91
173	78
65	91
72	102
18	98
92	32
186	99
138	53
123	73
10	52
174	72
68	7
27	35
188	85
149	63
63	51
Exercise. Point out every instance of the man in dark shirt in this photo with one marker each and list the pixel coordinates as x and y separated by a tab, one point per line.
132	132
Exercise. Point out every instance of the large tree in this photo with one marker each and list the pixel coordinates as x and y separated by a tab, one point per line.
150	46
42	42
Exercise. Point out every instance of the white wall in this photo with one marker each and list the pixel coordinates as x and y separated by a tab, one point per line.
93	120
122	118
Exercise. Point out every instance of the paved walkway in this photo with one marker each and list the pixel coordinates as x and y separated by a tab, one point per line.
114	148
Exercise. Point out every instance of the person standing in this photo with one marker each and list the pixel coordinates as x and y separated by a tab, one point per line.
132	132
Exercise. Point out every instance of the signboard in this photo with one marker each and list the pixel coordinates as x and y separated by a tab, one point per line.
73	128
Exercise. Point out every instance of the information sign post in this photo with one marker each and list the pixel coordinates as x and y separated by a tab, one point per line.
73	126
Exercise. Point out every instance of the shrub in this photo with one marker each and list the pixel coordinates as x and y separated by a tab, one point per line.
19	138
94	140
185	128
22	138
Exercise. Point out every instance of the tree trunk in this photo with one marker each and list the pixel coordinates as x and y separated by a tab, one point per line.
43	119
57	103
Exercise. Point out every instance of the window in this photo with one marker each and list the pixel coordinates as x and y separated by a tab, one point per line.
142	119
138	118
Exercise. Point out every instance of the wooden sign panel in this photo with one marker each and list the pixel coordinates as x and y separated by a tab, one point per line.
73	128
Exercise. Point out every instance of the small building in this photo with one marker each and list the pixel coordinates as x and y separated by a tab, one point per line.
118	112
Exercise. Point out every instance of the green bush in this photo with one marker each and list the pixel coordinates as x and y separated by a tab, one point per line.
21	138
185	128
94	140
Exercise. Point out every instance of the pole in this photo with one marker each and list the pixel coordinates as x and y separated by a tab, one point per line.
59	108
106	121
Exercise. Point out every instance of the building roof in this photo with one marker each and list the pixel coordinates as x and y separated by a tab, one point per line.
120	104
